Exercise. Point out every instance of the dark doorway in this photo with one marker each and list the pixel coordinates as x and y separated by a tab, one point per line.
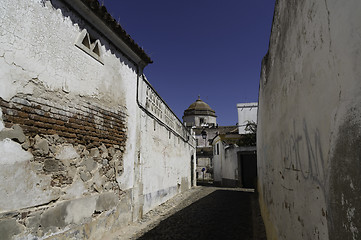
192	171
248	166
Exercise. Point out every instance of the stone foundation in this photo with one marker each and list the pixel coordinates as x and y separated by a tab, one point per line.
61	170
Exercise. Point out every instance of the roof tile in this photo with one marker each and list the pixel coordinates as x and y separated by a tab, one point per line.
102	13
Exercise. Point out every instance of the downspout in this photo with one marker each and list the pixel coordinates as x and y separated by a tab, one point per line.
137	193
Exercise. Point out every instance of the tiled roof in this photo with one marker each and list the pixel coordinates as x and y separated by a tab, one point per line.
103	14
227	130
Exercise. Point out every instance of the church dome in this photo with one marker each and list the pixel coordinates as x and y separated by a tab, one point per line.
199	108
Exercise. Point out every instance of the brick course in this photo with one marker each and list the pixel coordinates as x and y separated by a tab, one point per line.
80	122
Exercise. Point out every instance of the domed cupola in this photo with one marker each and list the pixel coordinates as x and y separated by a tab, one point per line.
199	113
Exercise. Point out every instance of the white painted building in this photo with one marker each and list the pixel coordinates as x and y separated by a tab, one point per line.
247	112
86	144
233	165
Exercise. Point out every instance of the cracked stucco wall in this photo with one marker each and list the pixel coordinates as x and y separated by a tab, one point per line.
78	157
309	122
67	129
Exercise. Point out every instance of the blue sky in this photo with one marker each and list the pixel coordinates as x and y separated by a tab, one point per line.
202	47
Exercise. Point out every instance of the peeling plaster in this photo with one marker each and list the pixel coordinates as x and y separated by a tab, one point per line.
54	186
12	152
2	126
79	209
22	183
76	189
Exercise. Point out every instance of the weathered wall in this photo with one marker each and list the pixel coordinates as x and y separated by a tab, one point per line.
309	122
163	137
163	179
76	150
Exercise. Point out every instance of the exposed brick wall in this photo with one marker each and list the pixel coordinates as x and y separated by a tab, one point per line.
79	122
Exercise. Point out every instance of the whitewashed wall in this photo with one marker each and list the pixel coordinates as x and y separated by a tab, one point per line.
225	163
308	136
166	150
50	90
230	163
218	155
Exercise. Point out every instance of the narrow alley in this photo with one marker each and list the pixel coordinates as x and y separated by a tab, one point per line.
201	213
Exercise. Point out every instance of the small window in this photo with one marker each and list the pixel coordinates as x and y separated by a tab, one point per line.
96	49
201	121
86	41
89	45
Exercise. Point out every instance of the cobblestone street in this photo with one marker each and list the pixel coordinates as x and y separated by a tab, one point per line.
201	213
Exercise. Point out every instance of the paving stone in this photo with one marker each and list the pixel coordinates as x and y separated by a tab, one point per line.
201	213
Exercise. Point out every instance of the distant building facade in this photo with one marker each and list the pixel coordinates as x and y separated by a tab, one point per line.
201	118
234	152
234	165
199	114
247	112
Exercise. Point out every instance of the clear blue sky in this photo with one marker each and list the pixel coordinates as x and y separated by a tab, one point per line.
210	48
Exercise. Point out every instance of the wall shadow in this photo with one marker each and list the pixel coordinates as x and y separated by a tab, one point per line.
223	214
